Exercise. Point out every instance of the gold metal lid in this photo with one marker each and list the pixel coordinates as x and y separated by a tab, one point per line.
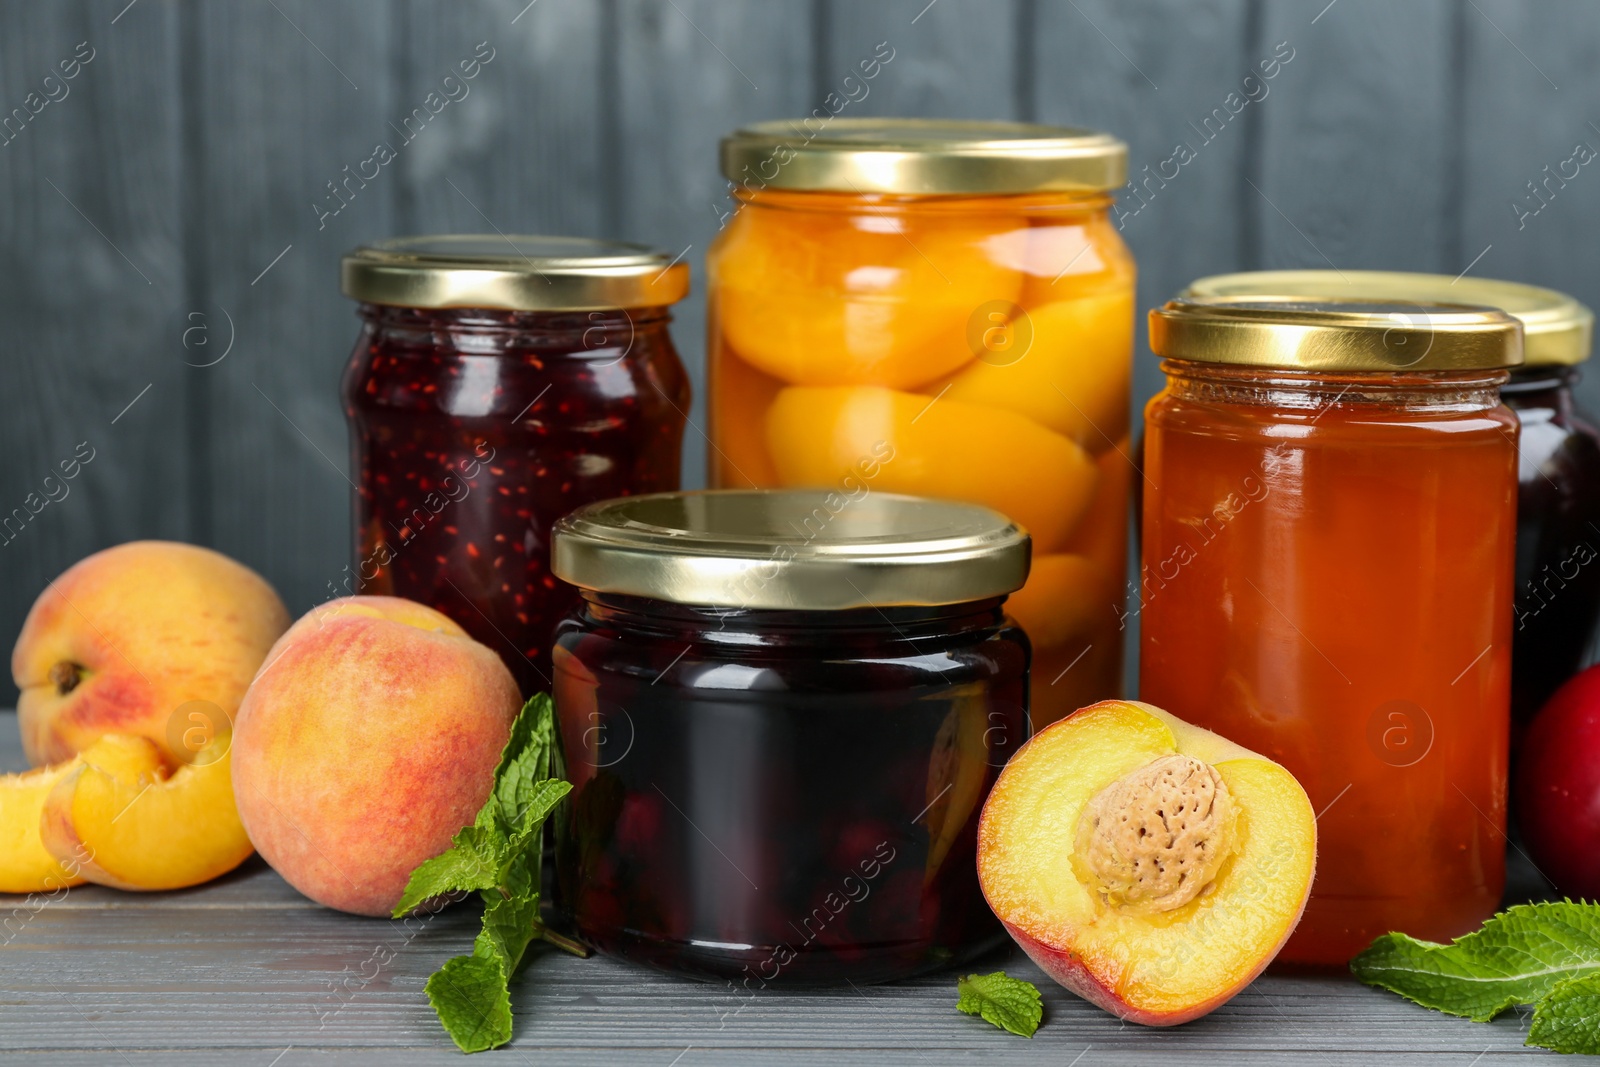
1336	335
1556	328
923	157
512	273
791	549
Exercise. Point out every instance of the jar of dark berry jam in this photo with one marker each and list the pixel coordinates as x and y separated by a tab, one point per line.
1557	602
497	384
781	713
1558	499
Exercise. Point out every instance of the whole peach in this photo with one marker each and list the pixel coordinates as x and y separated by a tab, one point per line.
150	637
369	738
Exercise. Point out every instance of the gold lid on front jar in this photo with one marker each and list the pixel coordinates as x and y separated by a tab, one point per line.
922	157
1320	334
515	273
1556	328
791	549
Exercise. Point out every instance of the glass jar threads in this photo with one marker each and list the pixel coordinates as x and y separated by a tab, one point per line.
1328	538
1557	604
497	384
781	713
944	309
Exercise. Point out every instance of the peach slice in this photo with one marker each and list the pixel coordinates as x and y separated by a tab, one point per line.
26	866
1151	867
937	447
137	828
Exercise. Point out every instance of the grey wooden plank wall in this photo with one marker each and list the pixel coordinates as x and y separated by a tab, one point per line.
167	201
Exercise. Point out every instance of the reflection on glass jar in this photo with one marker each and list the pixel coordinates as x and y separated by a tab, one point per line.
942	309
777	761
1329	526
492	390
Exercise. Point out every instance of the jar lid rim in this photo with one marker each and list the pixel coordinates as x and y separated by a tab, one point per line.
922	156
1326	334
513	272
1557	328
791	549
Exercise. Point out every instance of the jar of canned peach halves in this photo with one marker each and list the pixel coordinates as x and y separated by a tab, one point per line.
943	309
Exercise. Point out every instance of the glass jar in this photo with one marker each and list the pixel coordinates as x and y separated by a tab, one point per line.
943	309
1558	536
1328	542
1557	604
497	384
781	713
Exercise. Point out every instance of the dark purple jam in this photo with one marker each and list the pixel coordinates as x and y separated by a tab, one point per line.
473	430
1558	536
783	798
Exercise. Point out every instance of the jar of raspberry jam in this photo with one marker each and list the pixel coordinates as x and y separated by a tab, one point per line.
781	713
497	384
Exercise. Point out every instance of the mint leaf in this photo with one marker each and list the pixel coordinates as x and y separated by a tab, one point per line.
522	874
537	803
473	862
1568	1018
509	924
1517	957
522	731
1009	1003
470	996
525	763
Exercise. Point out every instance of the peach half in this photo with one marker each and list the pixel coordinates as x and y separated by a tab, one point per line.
740	399
1151	867
1072	377
129	825
936	447
877	297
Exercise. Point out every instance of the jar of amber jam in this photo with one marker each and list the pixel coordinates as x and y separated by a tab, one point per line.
781	713
498	383
1557	603
945	309
1329	527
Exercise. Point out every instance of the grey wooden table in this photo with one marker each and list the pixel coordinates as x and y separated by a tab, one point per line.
246	971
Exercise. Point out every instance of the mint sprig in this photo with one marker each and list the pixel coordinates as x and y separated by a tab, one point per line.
1545	954
1009	1003
499	856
